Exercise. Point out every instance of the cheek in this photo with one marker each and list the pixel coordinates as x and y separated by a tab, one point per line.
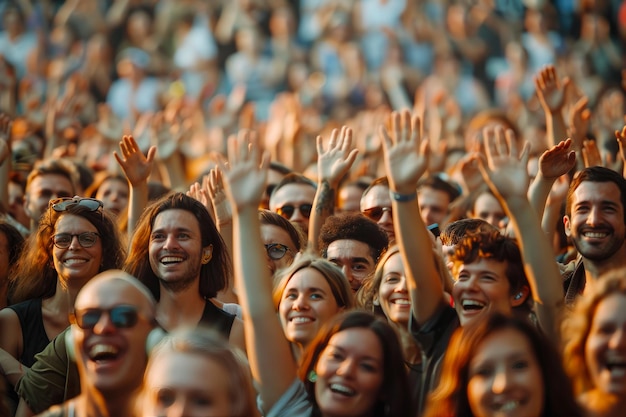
475	393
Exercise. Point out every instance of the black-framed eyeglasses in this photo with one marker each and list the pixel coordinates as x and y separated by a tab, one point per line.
122	317
85	239
375	213
276	251
65	203
287	210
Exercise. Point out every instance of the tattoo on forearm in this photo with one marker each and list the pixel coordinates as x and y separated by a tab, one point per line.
326	199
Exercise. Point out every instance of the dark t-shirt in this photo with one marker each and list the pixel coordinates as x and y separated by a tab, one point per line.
433	338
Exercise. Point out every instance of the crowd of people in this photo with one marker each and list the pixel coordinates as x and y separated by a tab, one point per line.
312	208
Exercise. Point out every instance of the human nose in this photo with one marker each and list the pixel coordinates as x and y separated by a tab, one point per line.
618	339
104	324
593	217
74	243
300	303
346	368
401	286
347	272
297	215
501	381
171	242
178	409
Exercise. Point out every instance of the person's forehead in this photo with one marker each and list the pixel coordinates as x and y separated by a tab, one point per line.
433	195
176	218
109	293
270	233
596	192
377	196
55	182
294	193
348	249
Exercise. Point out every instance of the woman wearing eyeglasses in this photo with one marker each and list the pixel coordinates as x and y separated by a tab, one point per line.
75	241
281	239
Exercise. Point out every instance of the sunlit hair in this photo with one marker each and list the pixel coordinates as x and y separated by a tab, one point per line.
596	174
577	326
55	166
337	281
100	178
214	276
211	346
455	231
267	217
34	275
450	397
382	181
15	241
394	398
493	245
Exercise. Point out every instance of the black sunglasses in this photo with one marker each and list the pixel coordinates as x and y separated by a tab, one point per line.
122	317
276	251
85	239
375	213
287	210
65	203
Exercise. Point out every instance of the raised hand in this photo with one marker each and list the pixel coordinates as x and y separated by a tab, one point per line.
246	175
336	161
505	169
579	118
591	154
621	140
550	90
214	184
136	166
558	160
405	152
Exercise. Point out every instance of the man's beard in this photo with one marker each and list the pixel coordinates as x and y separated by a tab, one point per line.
181	284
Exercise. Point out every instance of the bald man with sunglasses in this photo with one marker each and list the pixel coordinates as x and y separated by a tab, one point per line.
112	321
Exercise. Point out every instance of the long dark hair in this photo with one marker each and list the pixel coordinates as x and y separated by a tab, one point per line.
214	276
395	397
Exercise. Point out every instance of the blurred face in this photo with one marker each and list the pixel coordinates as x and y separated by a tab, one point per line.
175	249
114	194
505	378
307	304
596	223
393	294
376	205
489	209
288	201
76	264
433	205
176	385
349	198
350	373
112	358
16	204
272	234
42	189
605	349
354	258
481	287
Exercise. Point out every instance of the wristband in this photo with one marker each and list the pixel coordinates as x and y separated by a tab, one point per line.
403	198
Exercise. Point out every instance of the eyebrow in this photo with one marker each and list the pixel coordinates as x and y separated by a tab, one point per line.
308	290
367	357
178	229
355	259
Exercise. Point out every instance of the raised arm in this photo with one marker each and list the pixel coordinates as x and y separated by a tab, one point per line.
5	155
551	92
506	174
332	165
269	353
137	169
406	160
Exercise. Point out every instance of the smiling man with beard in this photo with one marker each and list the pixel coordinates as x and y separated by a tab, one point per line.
595	221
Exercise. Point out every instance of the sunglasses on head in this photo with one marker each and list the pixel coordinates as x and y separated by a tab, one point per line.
85	239
65	203
276	251
122	317
287	210
375	213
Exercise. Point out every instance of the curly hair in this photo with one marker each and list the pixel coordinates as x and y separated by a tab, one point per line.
450	397
394	396
495	246
214	276
34	275
577	326
353	226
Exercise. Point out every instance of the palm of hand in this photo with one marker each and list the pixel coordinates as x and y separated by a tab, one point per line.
245	183
553	96
404	164
509	176
555	165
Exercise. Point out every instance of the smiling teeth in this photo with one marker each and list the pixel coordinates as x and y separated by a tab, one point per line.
596	235
402	301
101	349
472	303
171	259
342	389
74	261
301	320
509	406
